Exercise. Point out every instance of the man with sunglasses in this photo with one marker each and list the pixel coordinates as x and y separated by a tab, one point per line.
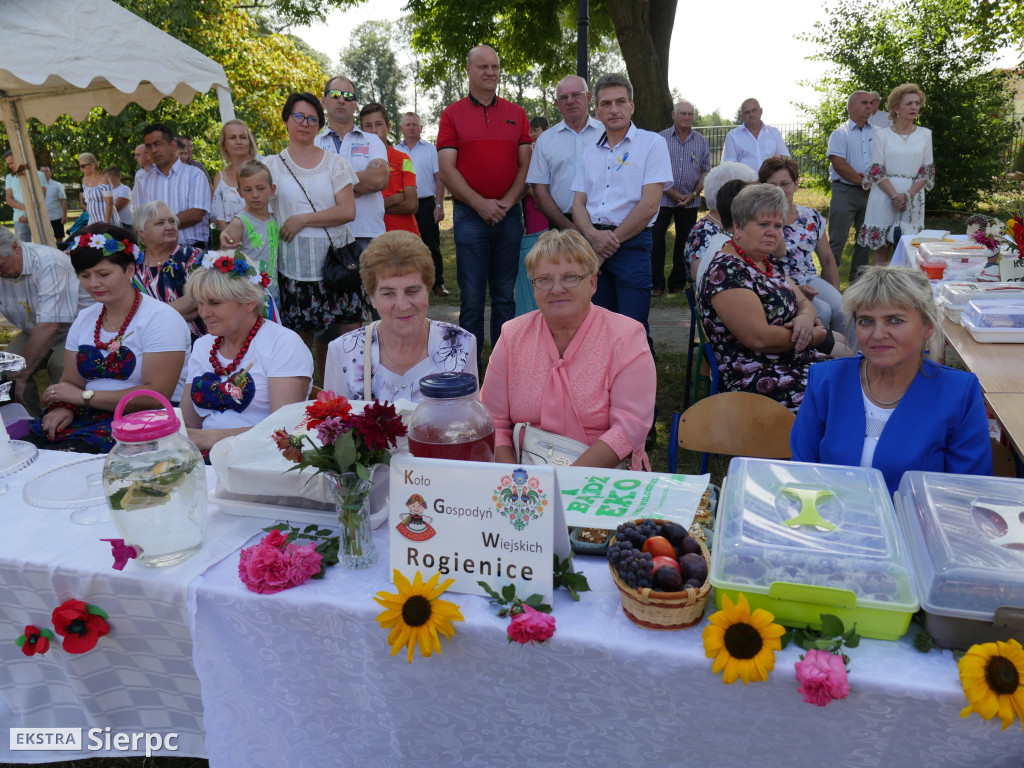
366	153
483	150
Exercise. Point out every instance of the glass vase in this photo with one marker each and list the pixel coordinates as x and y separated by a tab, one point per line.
352	500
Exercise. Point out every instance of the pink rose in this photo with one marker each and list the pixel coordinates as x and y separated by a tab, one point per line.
303	562
274	539
822	677
531	626
264	569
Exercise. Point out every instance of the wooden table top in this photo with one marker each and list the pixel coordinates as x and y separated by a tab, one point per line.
1008	408
999	367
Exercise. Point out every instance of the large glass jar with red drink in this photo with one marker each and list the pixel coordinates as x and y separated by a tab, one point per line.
451	422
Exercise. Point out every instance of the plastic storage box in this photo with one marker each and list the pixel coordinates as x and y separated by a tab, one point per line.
966	539
954	296
801	540
995	321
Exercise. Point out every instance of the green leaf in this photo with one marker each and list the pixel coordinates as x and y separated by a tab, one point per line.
362	471
309	528
923	642
508	592
487	588
345	452
831	625
95	610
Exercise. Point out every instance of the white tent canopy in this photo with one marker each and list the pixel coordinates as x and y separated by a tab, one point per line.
57	59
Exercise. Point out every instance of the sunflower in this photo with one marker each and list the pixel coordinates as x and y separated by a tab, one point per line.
992	675
742	643
415	615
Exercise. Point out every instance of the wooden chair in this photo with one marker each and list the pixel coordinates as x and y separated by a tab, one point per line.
734	424
701	369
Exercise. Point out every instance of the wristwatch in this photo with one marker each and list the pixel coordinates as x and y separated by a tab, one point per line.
87	395
438	205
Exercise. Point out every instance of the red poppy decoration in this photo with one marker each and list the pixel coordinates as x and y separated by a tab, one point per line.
224	264
34	641
81	625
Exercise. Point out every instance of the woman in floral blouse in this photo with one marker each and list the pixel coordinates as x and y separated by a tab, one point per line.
803	236
761	326
702	232
900	172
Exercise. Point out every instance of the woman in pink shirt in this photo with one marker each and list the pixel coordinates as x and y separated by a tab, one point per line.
570	367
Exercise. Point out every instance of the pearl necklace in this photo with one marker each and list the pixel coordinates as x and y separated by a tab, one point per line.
120	331
227	371
767	272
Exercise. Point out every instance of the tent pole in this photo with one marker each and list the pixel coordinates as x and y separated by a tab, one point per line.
35	197
227	109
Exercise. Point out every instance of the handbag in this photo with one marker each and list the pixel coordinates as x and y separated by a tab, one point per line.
534	445
341	267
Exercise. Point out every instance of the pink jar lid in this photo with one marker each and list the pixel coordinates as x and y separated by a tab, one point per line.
141	426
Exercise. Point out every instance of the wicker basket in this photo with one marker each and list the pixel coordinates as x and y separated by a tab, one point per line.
666	611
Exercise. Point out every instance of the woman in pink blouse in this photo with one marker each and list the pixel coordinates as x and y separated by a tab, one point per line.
570	367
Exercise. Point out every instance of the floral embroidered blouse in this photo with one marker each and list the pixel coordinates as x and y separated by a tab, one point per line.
167	281
801	239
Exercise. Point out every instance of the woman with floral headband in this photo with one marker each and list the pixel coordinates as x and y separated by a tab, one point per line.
246	367
125	341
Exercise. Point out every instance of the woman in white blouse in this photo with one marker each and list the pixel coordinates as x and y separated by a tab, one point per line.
237	146
313	204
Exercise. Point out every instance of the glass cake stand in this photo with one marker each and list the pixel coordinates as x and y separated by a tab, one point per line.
77	485
15	455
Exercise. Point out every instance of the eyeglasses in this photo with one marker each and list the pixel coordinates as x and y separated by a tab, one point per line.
571	96
84	165
334	93
298	118
566	281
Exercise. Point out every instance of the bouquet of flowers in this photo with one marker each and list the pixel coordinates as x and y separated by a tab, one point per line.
347	447
993	233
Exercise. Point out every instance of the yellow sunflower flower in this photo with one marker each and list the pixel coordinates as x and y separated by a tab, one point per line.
415	615
992	675
742	643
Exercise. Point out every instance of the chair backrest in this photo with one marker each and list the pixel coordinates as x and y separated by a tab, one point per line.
737	424
1003	464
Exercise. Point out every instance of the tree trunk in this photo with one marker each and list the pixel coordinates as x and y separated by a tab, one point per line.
644	31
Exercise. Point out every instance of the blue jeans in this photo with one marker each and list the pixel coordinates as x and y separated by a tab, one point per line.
624	285
487	257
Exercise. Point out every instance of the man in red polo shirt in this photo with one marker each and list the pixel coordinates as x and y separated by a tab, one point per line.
483	150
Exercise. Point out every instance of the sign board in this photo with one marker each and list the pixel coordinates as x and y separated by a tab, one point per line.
1011	269
604	498
475	521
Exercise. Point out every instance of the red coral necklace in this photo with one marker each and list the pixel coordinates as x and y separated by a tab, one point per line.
230	368
767	271
120	331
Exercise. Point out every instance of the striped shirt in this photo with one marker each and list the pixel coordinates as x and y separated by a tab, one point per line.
46	291
691	159
182	188
613	178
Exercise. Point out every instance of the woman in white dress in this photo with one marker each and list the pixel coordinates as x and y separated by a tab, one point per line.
237	146
901	170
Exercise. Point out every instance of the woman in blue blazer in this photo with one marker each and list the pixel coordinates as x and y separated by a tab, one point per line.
891	408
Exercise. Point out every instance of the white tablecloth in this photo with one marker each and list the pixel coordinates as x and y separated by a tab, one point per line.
138	678
305	679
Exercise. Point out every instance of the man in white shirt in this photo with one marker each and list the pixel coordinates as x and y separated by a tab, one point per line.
16	197
557	153
849	152
184	188
618	188
429	190
753	142
878	118
143	159
56	203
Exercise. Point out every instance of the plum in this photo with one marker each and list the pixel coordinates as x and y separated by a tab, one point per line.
667	579
689	546
692	583
674	532
693	567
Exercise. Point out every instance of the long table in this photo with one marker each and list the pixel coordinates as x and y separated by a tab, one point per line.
999	367
305	677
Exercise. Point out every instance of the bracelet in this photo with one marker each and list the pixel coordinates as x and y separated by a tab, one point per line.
827	343
73	408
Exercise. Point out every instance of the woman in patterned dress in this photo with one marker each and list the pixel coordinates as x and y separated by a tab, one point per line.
97	197
397	273
763	329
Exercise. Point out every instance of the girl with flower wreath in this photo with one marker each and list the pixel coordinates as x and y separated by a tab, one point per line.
123	342
246	367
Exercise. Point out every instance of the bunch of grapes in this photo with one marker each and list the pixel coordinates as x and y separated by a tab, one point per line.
637	534
635	569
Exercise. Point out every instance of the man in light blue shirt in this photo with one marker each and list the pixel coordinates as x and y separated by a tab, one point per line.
16	198
557	153
849	152
429	191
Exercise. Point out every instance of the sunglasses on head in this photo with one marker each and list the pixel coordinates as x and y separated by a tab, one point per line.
334	93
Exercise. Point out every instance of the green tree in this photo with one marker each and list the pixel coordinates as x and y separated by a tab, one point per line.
710	119
923	42
370	63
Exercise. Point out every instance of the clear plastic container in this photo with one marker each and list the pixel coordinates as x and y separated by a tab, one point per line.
995	321
966	541
955	296
155	482
801	540
451	422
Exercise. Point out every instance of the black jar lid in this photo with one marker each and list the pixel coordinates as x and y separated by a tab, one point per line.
443	386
